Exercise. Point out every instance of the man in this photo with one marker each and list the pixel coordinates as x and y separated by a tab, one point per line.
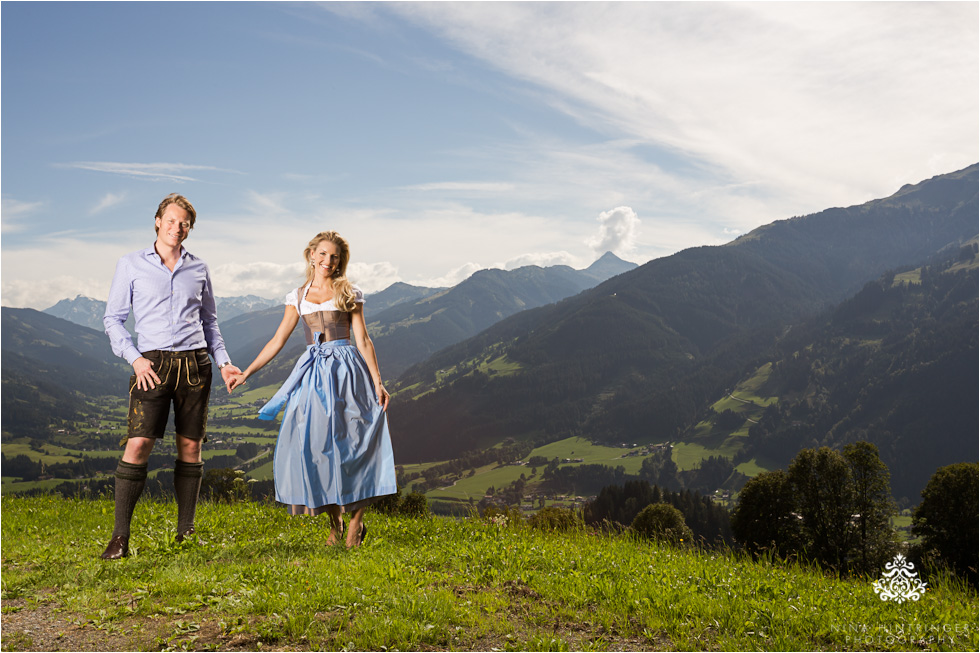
169	291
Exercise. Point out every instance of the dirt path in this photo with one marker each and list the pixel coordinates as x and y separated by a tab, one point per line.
746	401
43	625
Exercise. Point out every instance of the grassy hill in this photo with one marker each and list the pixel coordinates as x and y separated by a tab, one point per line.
264	581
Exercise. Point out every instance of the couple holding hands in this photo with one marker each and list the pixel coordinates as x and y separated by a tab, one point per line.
333	454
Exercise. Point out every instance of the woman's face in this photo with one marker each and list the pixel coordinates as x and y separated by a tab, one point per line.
325	259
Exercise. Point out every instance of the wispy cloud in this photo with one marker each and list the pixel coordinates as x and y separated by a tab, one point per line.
108	201
462	187
825	103
267	204
173	172
12	210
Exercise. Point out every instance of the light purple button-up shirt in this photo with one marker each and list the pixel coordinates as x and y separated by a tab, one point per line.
173	311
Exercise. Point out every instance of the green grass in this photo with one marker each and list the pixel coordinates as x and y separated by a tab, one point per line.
475	486
265	580
50	453
501	366
753	467
263	472
584	449
13	484
705	439
910	277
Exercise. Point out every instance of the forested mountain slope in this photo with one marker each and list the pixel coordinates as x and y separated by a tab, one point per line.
49	366
895	365
639	356
412	331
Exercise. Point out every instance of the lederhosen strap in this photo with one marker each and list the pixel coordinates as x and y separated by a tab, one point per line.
334	325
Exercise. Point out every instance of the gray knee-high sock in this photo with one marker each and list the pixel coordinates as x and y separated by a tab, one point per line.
187	485
130	480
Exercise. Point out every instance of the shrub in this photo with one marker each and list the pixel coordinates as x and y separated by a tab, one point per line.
388	505
554	518
414	505
663	523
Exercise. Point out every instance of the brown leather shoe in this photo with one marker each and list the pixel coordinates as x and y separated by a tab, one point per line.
118	548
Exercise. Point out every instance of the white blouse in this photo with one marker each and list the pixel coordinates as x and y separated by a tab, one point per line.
305	307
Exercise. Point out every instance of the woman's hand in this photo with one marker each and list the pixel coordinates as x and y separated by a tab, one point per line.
383	395
234	381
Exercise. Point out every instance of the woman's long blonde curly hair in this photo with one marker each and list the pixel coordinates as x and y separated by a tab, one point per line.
343	292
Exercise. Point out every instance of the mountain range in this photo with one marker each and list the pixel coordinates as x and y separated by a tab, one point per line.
406	322
640	357
409	331
864	314
89	312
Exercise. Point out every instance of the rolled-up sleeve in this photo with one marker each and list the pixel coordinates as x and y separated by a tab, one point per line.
117	310
209	322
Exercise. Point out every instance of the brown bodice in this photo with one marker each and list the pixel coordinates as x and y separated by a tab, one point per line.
334	325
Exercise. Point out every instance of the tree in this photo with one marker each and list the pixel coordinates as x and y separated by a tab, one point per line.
946	520
660	469
873	508
823	488
662	522
764	518
247	450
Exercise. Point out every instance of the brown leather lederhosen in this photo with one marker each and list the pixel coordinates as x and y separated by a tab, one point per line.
334	325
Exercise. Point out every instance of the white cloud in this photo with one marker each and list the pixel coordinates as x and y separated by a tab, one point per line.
45	293
108	201
373	277
542	259
451	278
617	232
262	278
173	172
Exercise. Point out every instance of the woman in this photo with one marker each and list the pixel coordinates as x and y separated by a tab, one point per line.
334	453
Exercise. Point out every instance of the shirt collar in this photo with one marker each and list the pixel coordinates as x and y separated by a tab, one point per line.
151	251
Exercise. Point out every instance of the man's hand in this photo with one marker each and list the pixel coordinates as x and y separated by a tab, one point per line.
146	378
228	373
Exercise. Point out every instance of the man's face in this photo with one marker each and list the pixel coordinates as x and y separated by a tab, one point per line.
173	227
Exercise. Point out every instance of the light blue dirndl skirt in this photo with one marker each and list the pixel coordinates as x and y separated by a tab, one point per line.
333	446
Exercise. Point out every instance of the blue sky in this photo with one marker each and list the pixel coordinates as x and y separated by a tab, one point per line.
442	138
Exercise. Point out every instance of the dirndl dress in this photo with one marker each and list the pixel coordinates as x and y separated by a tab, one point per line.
333	447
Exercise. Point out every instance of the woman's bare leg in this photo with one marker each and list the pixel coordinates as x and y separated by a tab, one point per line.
336	525
354	529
